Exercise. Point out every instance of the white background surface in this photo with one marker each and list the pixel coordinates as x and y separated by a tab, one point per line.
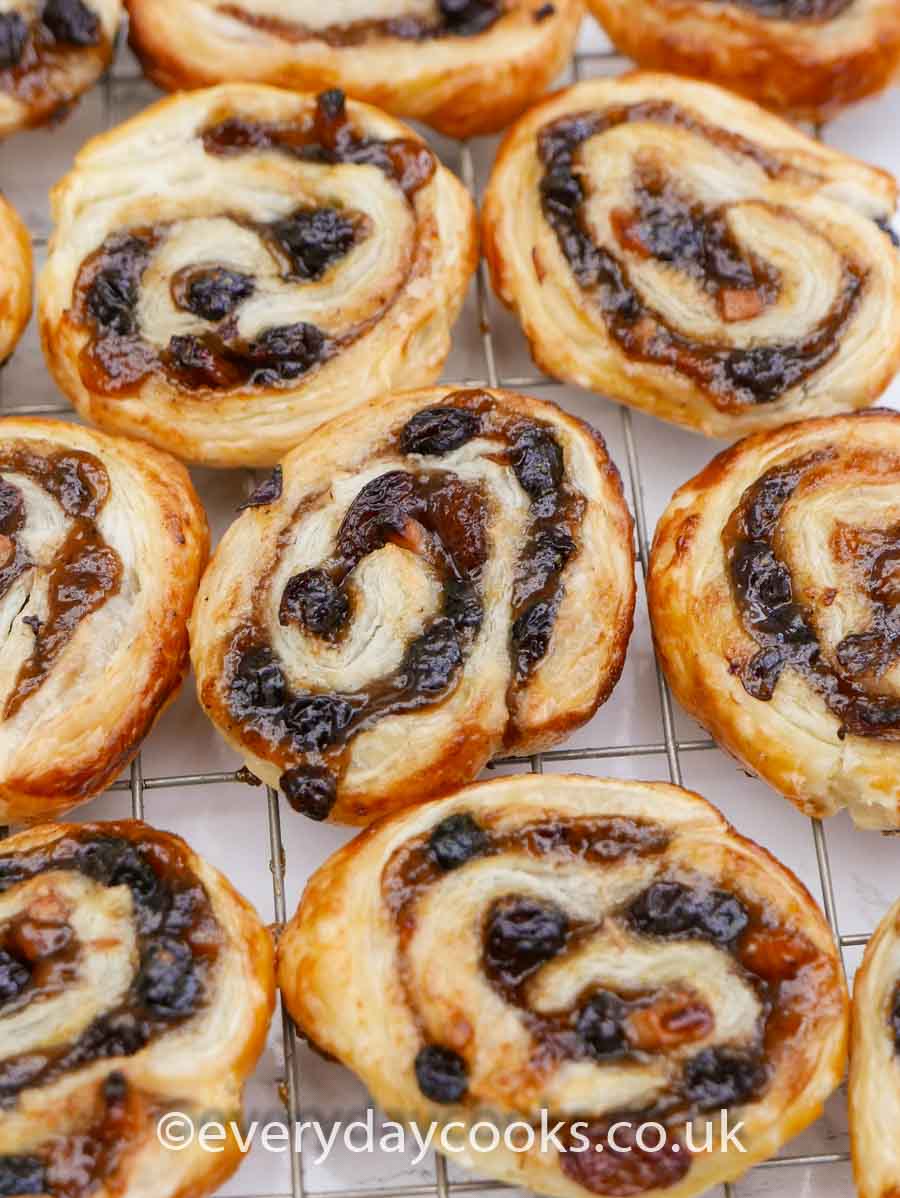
228	823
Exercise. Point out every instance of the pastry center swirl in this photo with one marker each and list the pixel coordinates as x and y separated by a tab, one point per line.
785	629
84	572
443	519
296	250
42	954
692	238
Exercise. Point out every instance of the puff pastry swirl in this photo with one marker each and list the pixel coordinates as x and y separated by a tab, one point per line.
233	267
15	273
102	542
134	981
418	585
610	953
874	1089
467	67
773	600
680	250
809	58
51	51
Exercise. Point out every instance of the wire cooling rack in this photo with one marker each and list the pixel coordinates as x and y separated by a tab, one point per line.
123	92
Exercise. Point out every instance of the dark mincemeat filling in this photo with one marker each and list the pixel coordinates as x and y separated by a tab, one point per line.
443	519
73	1166
454	18
32	51
780	625
521	934
85	571
177	938
306	244
795	10
693	239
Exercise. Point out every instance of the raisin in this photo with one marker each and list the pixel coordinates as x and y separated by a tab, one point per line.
313	239
268	491
717	1078
311	790
259	681
623	1167
116	1035
215	293
71	21
672	909
22	1175
456	840
521	935
112	300
462	606
886	227
537	460
442	1074
465	18
315	602
436	431
13	40
14	977
895	1019
115	1089
433	659
531	633
168	984
287	352
195	358
183	909
601	1025
113	861
317	721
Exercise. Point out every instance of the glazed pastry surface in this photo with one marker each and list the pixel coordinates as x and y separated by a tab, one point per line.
419	585
874	1089
134	982
15	279
51	51
774	603
678	249
233	267
607	952
102	543
466	68
807	58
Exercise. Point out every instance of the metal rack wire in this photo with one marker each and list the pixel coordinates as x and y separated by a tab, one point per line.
671	747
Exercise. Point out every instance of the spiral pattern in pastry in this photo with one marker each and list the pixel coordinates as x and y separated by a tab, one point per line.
420	584
680	250
874	1089
134	981
102	542
51	51
467	67
233	267
600	952
774	595
15	279
809	58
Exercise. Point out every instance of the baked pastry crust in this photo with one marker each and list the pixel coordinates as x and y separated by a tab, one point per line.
422	583
874	1088
807	58
770	601
102	543
51	52
680	250
235	266
16	272
467	73
155	984
543	934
